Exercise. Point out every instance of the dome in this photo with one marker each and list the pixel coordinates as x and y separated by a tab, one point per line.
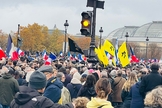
151	30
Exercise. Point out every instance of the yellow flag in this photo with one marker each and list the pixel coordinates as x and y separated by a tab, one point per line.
108	46
123	55
101	55
105	59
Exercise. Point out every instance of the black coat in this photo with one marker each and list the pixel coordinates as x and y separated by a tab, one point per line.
126	98
149	82
30	98
87	92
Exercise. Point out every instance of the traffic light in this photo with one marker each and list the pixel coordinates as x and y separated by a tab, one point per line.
86	23
19	40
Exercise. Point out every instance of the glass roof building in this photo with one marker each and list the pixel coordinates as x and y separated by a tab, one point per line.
152	30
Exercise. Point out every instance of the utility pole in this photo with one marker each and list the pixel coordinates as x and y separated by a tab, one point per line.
95	4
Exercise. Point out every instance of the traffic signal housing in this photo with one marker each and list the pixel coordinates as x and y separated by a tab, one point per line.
19	40
86	23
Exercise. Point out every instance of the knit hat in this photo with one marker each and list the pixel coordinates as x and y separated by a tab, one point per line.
46	68
37	80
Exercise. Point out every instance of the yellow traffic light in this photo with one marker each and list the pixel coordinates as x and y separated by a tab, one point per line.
86	23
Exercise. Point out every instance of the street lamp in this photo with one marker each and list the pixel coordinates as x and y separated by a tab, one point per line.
18	36
126	37
66	24
147	39
101	31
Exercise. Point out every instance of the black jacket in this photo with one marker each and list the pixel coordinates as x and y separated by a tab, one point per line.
30	98
149	82
87	92
126	98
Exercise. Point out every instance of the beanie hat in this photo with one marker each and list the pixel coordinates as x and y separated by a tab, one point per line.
37	80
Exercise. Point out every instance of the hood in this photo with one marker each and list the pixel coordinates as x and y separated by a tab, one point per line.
55	81
75	81
96	102
7	76
25	95
91	91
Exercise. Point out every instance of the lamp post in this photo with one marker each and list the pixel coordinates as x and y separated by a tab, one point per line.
66	24
18	36
147	39
101	31
126	37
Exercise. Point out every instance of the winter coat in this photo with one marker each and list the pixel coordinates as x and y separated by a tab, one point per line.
8	88
30	98
126	98
87	92
75	85
137	99
117	89
73	89
22	81
99	103
149	82
53	89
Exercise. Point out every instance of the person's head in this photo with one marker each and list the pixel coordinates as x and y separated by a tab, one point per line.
96	76
21	74
73	70
113	73
37	81
119	73
155	67
15	62
132	79
153	99
103	88
104	74
91	81
84	69
47	70
55	72
61	76
62	69
83	78
22	59
81	102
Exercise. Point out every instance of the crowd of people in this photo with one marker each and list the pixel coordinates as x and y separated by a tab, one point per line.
67	84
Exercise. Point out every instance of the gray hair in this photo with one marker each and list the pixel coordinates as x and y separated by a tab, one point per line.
59	75
154	98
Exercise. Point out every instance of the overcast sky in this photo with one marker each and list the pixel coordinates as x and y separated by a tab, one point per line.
116	14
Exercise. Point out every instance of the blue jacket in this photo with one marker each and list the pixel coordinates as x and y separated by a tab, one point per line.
53	89
137	99
73	89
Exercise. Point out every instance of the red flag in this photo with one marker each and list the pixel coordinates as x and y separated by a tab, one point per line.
15	56
2	54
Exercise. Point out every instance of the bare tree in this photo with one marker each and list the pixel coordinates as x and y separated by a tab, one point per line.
154	51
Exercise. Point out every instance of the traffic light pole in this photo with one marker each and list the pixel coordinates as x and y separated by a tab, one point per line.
92	58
